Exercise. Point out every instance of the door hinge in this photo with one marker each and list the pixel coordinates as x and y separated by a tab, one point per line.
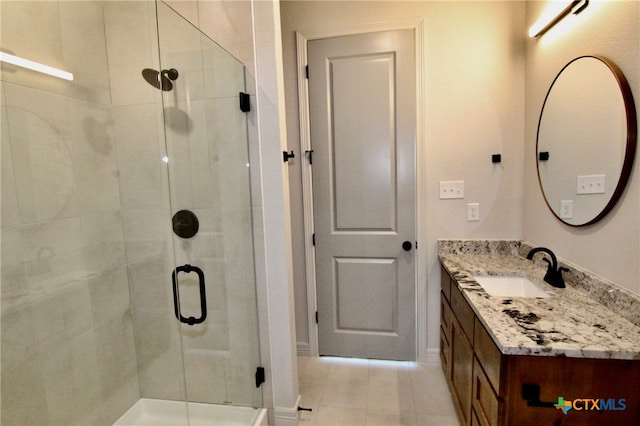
316	317
310	154
306	72
259	376
313	239
245	102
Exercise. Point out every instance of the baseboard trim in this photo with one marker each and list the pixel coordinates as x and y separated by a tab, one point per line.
433	356
303	349
286	416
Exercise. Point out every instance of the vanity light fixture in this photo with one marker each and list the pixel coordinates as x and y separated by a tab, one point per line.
35	66
546	21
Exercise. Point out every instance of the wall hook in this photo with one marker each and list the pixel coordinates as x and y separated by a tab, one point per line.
286	155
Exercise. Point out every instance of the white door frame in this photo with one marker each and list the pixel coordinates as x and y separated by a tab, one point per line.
307	181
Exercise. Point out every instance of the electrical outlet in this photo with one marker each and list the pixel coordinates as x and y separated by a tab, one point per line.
473	212
451	189
566	209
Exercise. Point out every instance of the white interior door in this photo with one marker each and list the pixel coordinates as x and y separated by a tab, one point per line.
362	109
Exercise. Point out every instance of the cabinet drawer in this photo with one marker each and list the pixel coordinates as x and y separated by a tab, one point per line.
486	404
445	283
445	354
488	354
445	316
462	312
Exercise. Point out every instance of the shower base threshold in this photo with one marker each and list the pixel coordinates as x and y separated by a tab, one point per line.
156	412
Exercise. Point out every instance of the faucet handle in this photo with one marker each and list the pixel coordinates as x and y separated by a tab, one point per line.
551	274
560	271
559	279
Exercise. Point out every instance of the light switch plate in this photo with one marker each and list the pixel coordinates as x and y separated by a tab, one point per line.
590	184
451	189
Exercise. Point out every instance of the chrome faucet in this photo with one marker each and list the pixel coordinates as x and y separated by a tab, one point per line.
554	274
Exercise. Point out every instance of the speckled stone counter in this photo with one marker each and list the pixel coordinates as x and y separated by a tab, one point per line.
590	318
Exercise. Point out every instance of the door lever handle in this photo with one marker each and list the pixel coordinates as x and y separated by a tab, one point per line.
406	246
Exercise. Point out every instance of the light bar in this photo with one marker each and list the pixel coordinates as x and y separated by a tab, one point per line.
545	22
35	66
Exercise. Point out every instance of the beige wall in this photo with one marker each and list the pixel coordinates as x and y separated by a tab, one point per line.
609	248
474	107
68	343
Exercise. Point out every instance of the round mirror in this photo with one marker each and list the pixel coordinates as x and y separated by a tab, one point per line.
586	140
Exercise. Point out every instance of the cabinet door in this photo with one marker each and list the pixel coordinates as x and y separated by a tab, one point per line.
461	368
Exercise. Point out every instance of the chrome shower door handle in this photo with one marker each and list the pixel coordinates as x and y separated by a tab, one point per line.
203	297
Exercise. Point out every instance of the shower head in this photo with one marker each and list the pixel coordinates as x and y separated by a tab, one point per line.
160	80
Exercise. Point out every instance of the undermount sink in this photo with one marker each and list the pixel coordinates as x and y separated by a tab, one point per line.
510	286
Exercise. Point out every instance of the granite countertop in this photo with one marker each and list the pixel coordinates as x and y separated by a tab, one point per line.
573	323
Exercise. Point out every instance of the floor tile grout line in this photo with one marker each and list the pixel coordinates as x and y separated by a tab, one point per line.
366	411
366	404
414	372
324	384
413	392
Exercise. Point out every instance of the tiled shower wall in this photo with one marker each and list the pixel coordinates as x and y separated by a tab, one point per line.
87	249
68	352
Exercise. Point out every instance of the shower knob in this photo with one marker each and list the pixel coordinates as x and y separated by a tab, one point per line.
185	224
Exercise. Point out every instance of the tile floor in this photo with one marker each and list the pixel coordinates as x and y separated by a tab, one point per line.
354	392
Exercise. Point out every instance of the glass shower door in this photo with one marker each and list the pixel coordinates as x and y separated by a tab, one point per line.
208	166
93	170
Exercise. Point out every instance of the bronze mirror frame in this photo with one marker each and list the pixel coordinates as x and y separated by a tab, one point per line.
631	140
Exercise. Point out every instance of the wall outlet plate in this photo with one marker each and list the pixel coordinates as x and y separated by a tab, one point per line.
473	212
566	209
451	189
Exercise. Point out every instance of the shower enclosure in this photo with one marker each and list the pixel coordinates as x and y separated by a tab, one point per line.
127	247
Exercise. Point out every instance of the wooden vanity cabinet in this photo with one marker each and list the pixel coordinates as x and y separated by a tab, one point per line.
445	334
586	379
487	385
456	350
462	328
487	404
461	369
445	322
